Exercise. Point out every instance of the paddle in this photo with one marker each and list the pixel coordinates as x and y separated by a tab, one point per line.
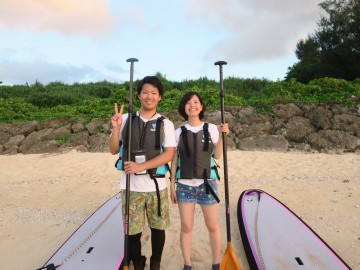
229	260
127	196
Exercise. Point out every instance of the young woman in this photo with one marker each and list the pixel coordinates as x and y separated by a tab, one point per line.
198	143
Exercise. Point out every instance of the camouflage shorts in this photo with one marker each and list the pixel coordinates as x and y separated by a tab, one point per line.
142	203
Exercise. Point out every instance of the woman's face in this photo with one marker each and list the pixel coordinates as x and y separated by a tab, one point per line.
193	106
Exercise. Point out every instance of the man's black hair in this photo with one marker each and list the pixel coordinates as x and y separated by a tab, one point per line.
154	81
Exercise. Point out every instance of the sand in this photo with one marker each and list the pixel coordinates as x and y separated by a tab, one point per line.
45	198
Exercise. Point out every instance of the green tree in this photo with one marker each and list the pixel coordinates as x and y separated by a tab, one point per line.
334	49
308	67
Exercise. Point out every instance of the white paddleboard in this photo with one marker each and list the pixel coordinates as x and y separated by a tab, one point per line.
274	237
97	244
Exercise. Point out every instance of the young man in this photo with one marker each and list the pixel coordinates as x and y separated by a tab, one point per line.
152	146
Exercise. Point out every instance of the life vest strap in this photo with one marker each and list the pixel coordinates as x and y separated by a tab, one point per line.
185	138
157	193
206	137
157	132
117	161
209	188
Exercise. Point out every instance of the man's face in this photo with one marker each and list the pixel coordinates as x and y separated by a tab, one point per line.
149	97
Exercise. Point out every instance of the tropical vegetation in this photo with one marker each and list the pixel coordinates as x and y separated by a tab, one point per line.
88	100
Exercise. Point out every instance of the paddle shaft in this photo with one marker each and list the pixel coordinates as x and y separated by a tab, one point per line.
226	181
127	196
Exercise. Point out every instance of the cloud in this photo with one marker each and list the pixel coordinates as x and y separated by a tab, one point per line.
256	29
69	17
15	72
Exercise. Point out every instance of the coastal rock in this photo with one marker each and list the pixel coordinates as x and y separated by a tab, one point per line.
320	118
298	128
4	137
78	139
289	127
24	128
333	140
14	141
348	123
93	126
77	127
287	111
99	143
61	132
276	143
31	141
248	116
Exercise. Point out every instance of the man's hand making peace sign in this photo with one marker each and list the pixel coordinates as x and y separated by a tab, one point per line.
116	119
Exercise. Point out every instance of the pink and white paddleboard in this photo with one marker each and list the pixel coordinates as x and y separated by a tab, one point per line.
97	244
274	237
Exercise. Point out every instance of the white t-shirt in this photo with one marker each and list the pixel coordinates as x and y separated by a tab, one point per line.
143	183
214	137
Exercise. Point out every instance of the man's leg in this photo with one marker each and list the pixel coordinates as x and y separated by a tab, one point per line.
136	226
157	247
135	252
158	224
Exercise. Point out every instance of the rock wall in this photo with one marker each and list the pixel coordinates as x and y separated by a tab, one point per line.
290	127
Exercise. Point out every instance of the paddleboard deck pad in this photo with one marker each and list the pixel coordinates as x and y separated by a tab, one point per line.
274	237
97	244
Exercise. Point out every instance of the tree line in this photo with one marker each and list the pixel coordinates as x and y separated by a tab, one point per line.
334	49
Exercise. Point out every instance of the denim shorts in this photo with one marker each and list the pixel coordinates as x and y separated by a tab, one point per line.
190	194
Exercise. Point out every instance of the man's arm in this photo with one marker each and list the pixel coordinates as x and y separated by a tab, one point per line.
116	122
114	142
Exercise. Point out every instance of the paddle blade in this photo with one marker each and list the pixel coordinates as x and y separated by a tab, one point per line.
229	261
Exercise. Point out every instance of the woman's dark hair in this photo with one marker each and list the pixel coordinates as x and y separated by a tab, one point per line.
185	99
154	81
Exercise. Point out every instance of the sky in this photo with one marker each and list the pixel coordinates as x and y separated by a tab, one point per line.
89	40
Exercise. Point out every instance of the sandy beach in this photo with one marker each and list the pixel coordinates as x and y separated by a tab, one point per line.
45	198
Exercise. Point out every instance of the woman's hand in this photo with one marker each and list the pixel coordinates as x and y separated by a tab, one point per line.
224	128
173	196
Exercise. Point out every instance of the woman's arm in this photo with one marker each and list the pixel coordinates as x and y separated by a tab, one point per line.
173	169
218	151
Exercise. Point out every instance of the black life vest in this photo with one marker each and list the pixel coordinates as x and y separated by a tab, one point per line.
196	152
147	136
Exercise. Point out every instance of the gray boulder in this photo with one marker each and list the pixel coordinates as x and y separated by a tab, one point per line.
297	128
320	118
30	142
347	122
287	111
276	143
328	140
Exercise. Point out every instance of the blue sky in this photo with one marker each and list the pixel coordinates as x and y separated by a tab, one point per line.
90	40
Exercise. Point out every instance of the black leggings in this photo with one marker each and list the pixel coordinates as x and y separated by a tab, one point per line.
157	245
